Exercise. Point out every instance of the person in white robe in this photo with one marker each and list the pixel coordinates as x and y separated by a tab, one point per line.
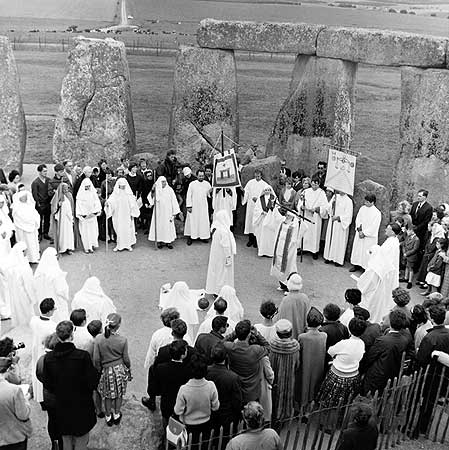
88	207
253	190
50	282
367	223
382	276
197	222
6	229
20	283
93	300
220	271
224	198
266	222
123	208
41	327
339	210
312	203
27	222
162	199
62	210
235	310
186	304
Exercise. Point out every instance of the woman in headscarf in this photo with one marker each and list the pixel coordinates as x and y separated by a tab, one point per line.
234	311
92	298
50	282
6	228
62	213
27	222
19	278
122	207
165	207
220	271
186	304
88	207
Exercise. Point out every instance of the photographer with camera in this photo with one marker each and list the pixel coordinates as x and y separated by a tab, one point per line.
15	410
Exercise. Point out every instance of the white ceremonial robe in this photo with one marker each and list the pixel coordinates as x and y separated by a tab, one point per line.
87	208
31	240
22	295
253	189
5	301
368	218
380	278
64	218
163	215
89	232
6	230
266	225
40	329
197	222
337	232
312	231
226	201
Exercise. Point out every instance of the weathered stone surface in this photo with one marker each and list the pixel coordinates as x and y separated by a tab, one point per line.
381	47
12	117
424	130
152	159
204	103
95	118
259	36
318	112
382	203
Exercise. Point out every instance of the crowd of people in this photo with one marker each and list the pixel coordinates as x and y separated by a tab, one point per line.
211	369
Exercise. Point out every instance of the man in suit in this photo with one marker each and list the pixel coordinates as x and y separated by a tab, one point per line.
205	342
383	360
421	213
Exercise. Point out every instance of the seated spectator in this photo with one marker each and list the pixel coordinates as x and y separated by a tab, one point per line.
353	297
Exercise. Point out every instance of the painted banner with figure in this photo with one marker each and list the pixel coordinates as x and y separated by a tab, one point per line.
225	170
341	171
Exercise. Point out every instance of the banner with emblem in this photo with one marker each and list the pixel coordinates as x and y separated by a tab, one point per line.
341	171
225	170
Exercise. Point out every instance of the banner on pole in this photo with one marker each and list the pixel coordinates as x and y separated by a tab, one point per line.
341	171
225	170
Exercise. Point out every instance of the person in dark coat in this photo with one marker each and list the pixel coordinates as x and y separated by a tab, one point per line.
383	360
146	211
205	342
68	373
362	430
372	331
229	389
39	190
167	169
421	214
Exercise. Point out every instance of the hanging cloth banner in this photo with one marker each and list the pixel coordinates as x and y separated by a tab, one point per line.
341	171
225	170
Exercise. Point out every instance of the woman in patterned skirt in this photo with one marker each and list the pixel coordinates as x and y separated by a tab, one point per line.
112	360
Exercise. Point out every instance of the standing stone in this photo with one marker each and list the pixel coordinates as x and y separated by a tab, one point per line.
12	117
382	203
204	103
424	130
95	118
318	112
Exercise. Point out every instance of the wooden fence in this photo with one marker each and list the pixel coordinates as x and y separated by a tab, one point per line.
397	410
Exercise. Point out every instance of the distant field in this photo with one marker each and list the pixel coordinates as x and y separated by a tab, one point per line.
263	86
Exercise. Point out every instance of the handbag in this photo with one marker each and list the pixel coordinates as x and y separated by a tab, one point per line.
176	432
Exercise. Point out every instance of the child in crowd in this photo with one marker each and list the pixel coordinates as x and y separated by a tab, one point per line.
410	249
435	266
95	327
112	360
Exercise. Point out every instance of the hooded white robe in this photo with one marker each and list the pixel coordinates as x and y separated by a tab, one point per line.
87	208
122	207
92	298
50	282
368	218
253	189
221	199
197	222
64	221
165	208
235	310
6	229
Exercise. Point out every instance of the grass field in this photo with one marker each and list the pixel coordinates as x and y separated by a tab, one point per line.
263	86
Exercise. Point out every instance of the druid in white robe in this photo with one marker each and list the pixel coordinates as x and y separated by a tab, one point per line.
266	222
380	279
62	209
340	207
367	221
312	204
197	222
253	190
220	271
6	228
235	310
27	221
224	198
88	207
165	207
50	282
20	283
92	298
41	327
122	207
